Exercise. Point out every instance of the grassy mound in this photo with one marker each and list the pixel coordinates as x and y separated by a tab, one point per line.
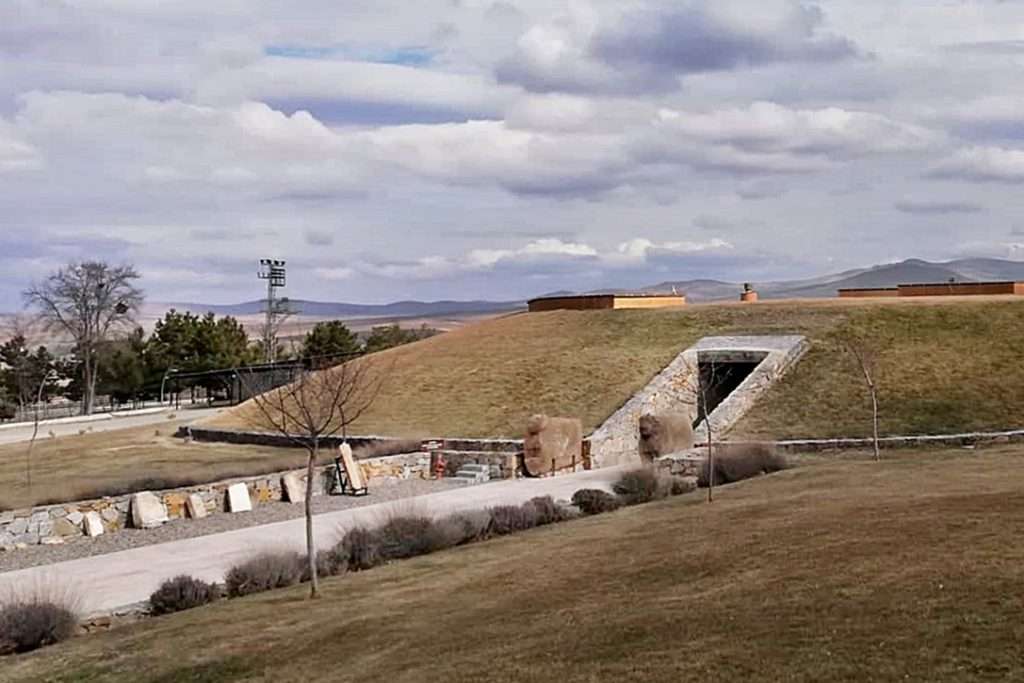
850	570
947	365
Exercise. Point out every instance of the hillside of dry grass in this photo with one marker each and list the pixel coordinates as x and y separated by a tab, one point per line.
946	365
90	465
908	569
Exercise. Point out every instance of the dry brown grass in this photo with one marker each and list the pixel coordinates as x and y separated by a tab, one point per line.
950	364
908	569
84	466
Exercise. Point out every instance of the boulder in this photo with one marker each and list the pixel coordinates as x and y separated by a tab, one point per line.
75	517
196	506
65	527
664	434
147	511
93	524
294	486
551	444
238	498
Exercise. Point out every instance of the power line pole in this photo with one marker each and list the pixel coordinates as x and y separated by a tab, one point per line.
273	271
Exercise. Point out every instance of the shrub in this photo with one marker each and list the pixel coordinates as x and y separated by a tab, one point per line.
735	462
181	593
677	486
462	527
264	572
362	549
595	501
546	510
27	625
641	485
507	519
405	536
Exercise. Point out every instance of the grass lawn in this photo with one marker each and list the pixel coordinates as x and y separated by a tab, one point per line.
946	365
909	569
91	464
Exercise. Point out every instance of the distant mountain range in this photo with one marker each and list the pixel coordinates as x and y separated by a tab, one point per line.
907	272
698	290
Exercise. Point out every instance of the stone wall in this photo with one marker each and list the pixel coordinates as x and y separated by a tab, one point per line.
53	524
617	440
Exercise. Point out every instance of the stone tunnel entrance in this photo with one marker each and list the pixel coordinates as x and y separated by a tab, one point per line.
721	372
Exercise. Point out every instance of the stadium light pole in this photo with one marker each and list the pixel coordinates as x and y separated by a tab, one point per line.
273	271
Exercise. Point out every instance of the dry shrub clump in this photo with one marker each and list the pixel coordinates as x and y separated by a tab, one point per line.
264	572
735	462
641	485
595	501
181	593
508	519
405	536
462	527
33	621
547	511
362	549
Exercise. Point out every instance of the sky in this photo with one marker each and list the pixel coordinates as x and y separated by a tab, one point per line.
502	149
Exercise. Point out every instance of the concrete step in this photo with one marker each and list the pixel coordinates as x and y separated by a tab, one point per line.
475	467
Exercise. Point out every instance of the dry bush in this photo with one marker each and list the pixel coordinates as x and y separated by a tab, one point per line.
37	618
406	535
507	519
463	527
362	549
735	462
677	486
264	572
641	485
595	501
331	562
181	593
546	510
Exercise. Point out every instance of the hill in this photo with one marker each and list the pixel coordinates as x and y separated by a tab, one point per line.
908	569
326	309
946	365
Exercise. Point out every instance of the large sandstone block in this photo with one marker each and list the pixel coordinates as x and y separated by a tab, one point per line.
294	486
147	511
552	443
238	498
93	524
195	506
664	434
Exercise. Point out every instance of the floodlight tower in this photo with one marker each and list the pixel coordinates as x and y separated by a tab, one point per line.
273	271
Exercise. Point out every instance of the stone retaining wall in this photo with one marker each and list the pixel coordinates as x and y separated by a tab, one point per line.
674	389
53	524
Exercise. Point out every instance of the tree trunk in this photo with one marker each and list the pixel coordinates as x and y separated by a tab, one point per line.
314	585
711	463
874	422
88	383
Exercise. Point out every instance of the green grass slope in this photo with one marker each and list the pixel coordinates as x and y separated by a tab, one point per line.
946	365
908	569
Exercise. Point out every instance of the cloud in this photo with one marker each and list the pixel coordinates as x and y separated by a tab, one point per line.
981	164
548	256
770	138
15	154
319	238
647	49
939	208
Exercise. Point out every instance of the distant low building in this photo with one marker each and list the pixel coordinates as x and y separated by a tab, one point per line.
935	289
586	302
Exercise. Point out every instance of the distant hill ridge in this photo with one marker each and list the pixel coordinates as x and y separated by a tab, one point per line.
910	271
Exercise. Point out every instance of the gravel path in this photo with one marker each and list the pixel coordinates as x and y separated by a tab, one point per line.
178	529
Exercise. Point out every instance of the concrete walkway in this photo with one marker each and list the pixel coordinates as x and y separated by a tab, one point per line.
107	583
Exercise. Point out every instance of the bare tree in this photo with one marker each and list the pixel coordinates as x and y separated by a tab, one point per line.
696	389
866	354
316	405
88	301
